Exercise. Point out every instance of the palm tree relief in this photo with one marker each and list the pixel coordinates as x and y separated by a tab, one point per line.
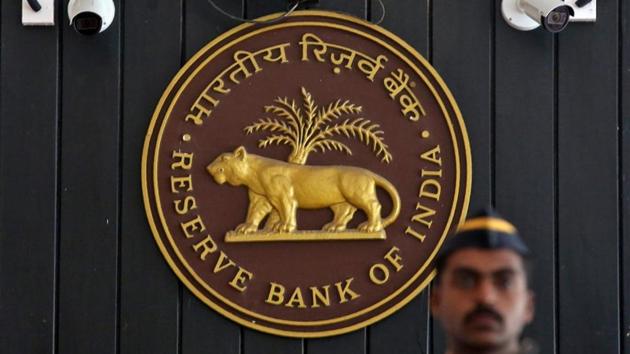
310	128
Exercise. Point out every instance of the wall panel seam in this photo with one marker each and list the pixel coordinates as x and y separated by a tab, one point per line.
58	184
180	290
493	105
620	171
121	160
556	191
430	14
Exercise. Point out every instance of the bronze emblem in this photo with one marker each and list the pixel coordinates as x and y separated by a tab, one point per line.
300	177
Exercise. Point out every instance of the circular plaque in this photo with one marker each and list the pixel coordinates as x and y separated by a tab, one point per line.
299	177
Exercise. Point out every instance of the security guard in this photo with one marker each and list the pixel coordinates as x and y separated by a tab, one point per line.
481	294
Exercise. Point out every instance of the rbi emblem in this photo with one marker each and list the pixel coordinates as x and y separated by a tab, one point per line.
300	177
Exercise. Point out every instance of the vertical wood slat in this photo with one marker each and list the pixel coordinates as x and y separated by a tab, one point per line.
525	155
354	342
405	331
149	311
349	343
259	8
356	8
588	196
624	95
203	329
88	282
462	49
408	19
28	183
462	54
255	342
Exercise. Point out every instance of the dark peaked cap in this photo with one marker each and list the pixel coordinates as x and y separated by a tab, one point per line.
486	230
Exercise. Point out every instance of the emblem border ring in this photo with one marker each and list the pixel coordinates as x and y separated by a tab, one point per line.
246	315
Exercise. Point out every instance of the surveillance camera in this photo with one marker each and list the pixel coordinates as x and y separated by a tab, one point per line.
91	16
526	15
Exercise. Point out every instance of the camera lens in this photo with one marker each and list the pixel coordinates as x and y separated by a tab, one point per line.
87	23
557	19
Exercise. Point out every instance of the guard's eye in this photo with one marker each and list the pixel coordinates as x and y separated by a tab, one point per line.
504	280
465	280
221	169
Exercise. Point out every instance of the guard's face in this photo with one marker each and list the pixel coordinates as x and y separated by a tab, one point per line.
482	300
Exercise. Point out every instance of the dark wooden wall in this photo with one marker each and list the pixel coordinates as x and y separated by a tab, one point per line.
547	115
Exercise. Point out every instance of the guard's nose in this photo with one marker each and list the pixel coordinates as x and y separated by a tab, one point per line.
486	292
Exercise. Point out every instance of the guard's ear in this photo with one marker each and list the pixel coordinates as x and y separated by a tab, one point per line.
531	305
240	153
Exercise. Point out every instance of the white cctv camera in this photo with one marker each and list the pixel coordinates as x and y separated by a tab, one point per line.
526	15
91	16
